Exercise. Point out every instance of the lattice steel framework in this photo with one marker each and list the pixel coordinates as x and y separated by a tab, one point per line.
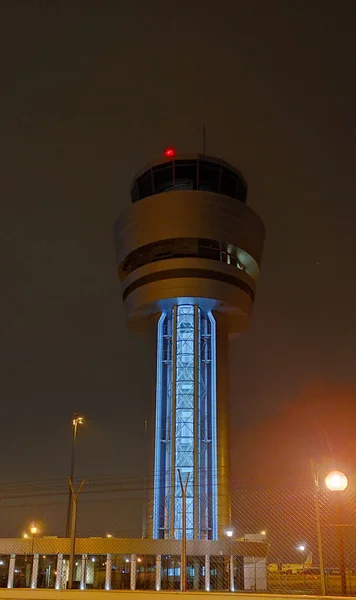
185	435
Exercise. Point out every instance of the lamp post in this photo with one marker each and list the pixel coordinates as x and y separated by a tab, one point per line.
74	499
34	530
76	420
337	482
316	494
229	532
27	537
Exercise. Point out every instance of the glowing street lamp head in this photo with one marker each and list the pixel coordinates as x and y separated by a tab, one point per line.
34	529
263	532
229	532
77	420
336	481
301	547
25	535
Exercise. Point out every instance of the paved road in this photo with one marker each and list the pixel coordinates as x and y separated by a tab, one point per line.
309	584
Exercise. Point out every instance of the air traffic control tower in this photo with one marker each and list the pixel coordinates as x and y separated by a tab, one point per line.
189	253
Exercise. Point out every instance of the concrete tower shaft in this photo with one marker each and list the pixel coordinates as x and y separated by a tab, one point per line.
188	253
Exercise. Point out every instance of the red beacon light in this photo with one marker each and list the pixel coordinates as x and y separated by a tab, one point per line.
169	152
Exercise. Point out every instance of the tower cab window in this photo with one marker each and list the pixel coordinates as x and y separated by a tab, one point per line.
185	175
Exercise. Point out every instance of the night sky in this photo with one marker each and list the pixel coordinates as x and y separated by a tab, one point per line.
90	92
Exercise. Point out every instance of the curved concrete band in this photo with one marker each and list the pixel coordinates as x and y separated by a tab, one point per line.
193	214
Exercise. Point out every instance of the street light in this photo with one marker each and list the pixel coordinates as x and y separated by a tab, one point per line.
76	420
337	482
229	532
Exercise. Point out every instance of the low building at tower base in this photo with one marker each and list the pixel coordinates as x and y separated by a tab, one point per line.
133	564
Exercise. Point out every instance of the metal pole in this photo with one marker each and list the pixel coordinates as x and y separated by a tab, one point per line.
315	472
183	562
340	539
71	476
72	542
320	539
73	530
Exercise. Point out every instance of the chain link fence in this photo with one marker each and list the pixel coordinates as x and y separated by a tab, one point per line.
273	544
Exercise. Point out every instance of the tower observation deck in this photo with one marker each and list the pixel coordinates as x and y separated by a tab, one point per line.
188	252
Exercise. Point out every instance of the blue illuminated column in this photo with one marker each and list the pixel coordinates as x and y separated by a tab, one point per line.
185	436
